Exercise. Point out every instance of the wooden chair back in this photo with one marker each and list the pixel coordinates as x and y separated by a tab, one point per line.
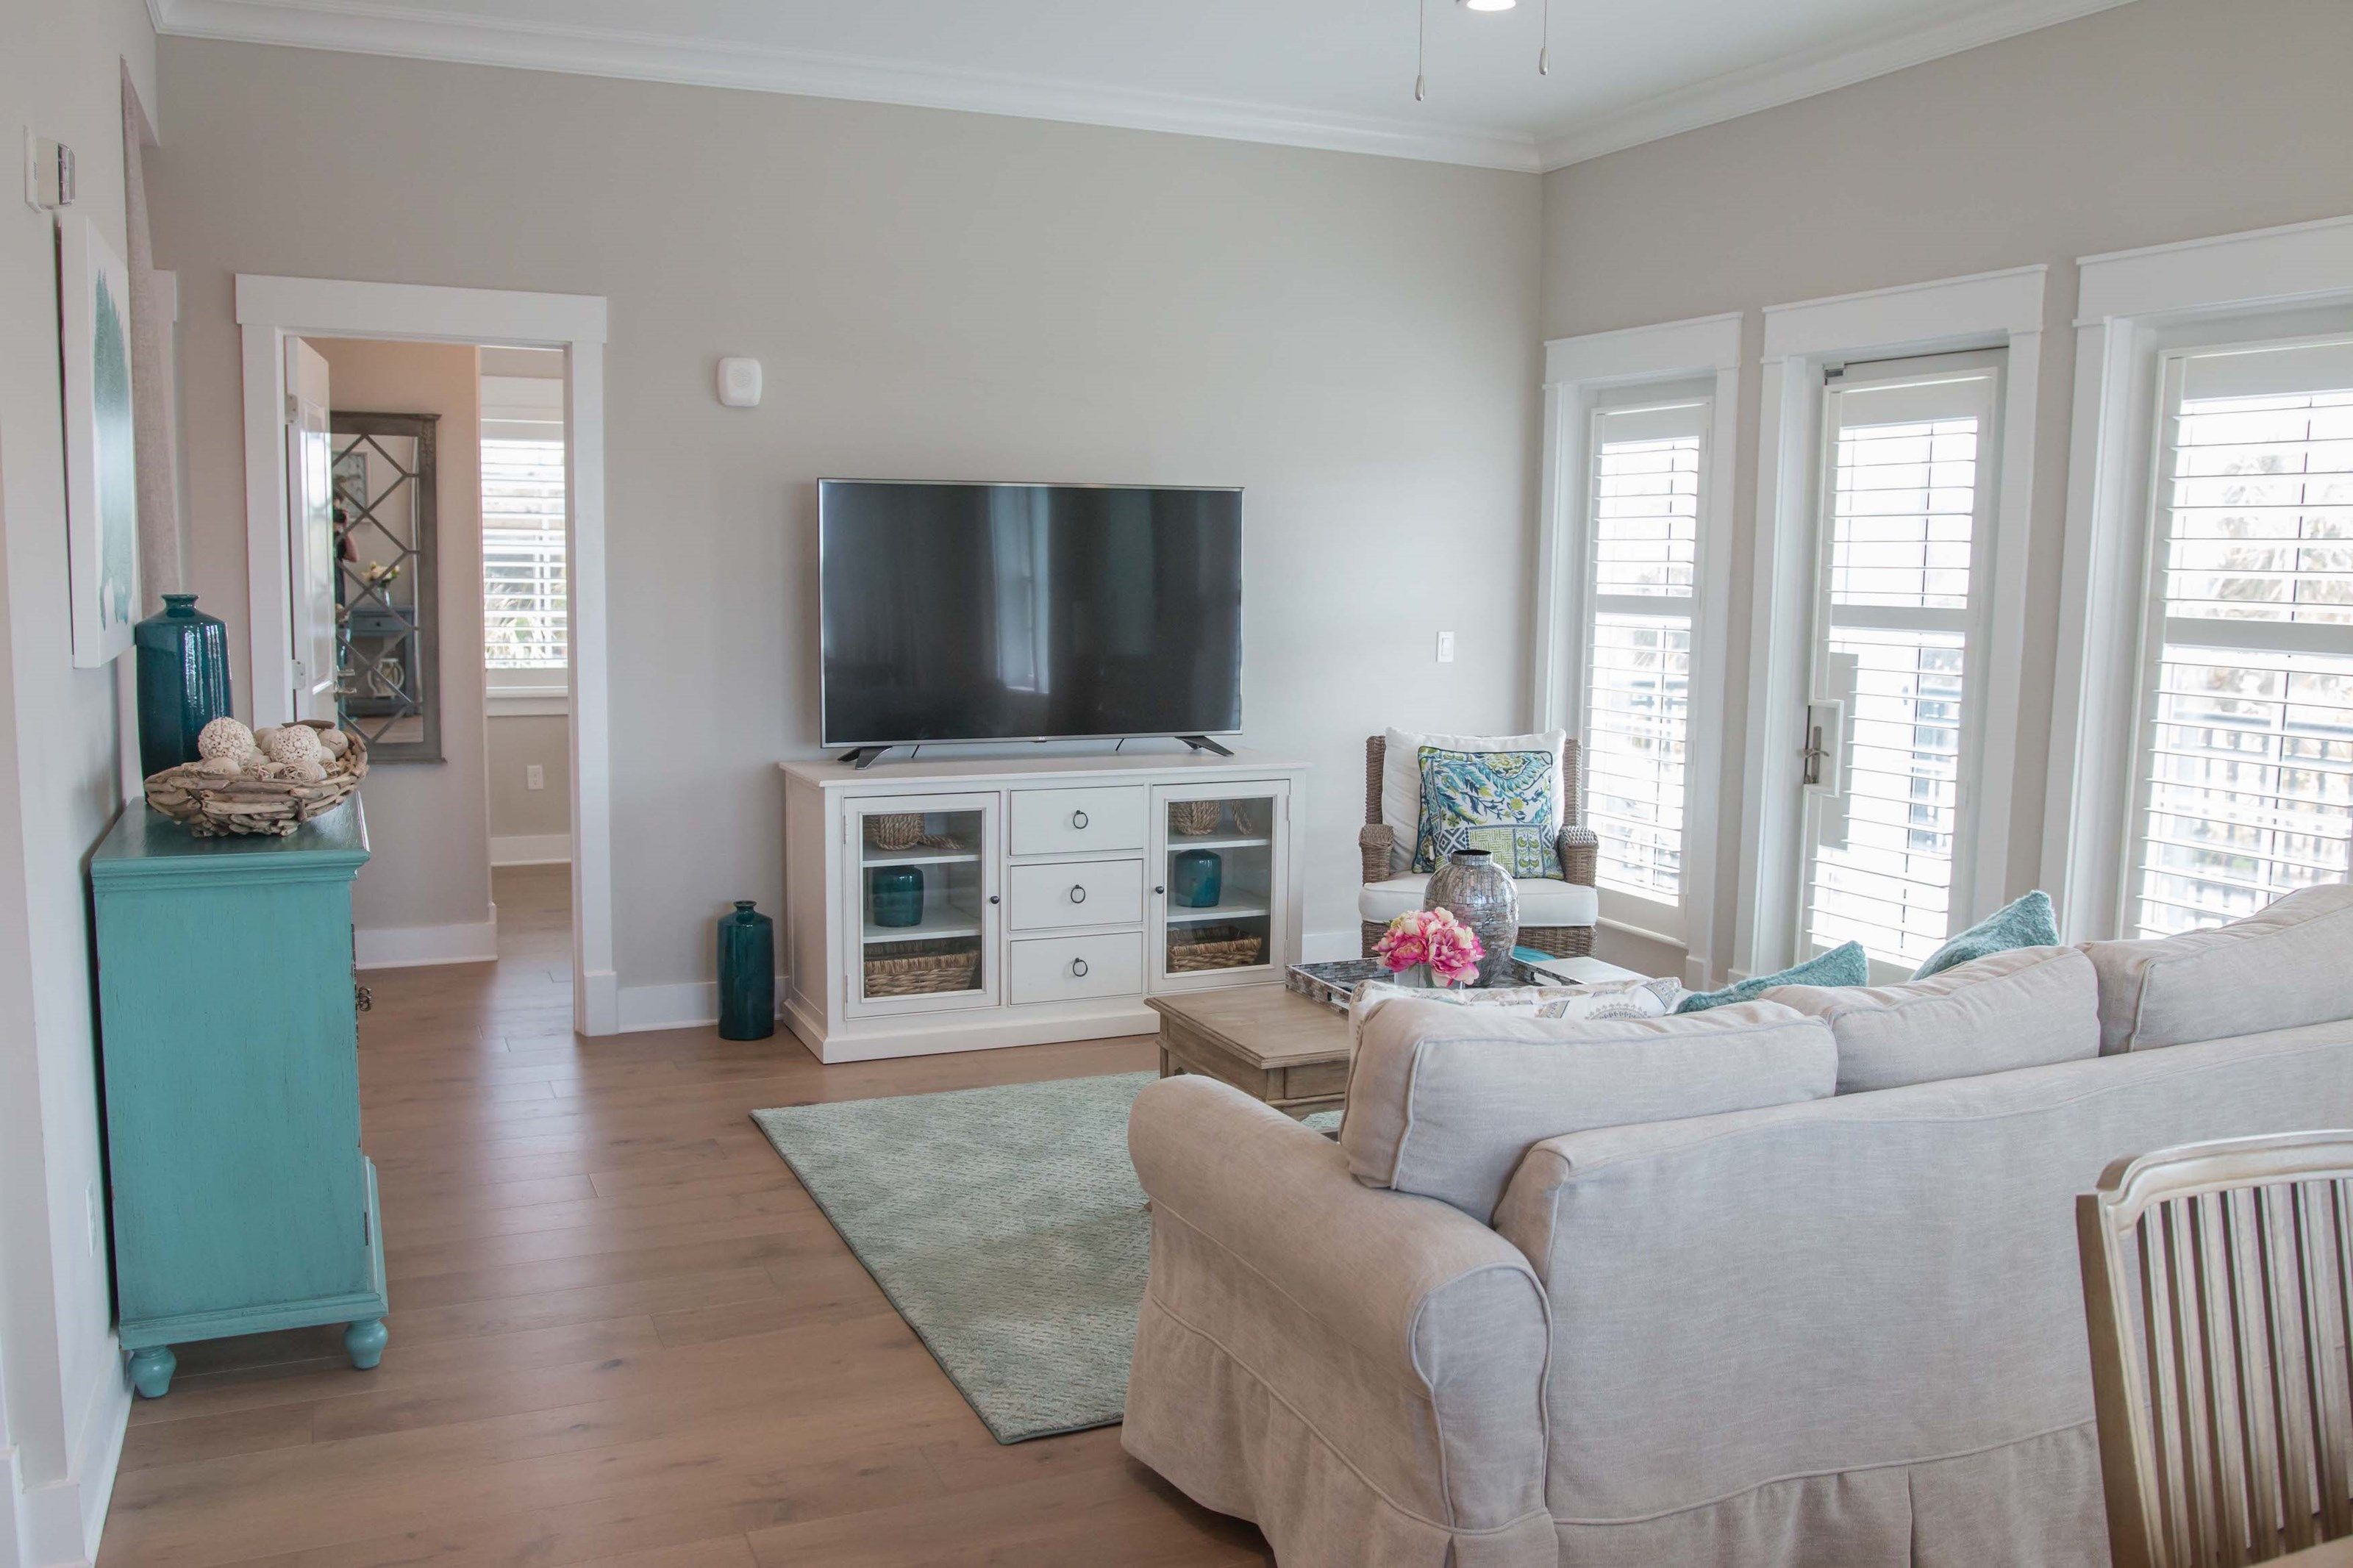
2218	1290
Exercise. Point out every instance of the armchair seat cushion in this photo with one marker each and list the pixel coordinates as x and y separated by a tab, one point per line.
1542	901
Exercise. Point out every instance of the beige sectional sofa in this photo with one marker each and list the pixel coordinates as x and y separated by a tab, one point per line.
1792	1283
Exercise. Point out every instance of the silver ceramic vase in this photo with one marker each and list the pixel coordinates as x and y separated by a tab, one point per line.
1474	888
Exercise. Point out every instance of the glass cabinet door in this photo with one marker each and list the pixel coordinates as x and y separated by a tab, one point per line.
923	887
1217	865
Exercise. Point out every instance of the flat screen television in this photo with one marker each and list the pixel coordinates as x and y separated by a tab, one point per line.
964	611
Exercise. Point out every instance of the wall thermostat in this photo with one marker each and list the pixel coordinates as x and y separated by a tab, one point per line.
739	383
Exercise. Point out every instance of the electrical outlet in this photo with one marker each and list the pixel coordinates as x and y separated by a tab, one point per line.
1446	647
534	776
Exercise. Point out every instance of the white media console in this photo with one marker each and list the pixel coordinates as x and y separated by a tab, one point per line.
960	904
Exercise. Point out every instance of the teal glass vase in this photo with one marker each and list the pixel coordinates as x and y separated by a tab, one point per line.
183	681
747	974
1196	879
895	893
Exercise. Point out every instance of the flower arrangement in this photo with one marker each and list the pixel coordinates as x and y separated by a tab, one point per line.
1434	937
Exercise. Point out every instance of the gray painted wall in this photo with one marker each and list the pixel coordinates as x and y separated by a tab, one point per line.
935	295
2160	121
518	741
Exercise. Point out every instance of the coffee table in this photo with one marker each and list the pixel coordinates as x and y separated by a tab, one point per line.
1266	1040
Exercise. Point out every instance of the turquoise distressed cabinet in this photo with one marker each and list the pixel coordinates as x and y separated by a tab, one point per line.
241	1201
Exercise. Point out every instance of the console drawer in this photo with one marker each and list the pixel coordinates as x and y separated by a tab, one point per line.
1074	968
1074	893
1071	821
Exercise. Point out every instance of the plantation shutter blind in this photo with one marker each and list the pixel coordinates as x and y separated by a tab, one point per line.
524	526
1642	555
2245	776
1904	507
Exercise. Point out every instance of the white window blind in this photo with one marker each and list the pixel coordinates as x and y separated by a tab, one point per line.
1642	550
2246	766
523	597
1903	504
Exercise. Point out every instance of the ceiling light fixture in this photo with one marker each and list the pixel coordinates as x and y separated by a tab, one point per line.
1487	4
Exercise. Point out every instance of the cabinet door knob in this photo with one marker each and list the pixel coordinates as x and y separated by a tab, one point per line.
1158	890
1078	819
1078	894
992	897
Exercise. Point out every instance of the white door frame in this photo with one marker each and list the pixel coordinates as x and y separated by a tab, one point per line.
269	311
1987	309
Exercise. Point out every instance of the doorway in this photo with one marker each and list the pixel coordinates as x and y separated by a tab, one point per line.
273	312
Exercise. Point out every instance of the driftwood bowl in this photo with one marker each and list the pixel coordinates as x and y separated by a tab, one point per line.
212	806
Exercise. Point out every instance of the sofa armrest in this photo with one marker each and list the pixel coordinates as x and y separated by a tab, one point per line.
1406	1335
1376	842
1580	856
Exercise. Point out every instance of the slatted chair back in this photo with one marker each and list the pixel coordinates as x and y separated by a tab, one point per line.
2218	1290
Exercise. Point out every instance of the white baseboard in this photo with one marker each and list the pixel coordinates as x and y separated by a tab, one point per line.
690	1006
1330	946
406	947
530	849
58	1525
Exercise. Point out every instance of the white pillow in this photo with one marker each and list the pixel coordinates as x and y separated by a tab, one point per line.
2281	968
2027	1007
1401	775
1608	999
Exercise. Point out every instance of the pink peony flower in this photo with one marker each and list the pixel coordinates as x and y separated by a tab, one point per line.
1435	937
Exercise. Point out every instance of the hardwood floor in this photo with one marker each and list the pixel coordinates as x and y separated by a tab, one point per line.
622	1335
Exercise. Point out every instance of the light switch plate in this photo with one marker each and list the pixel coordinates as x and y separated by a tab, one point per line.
1446	647
739	383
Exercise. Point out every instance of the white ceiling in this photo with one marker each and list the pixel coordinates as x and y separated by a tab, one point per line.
1317	73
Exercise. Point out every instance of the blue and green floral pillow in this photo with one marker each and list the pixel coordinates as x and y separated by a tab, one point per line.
1502	802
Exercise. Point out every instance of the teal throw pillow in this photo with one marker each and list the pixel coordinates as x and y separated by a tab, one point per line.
2029	923
1501	802
1845	965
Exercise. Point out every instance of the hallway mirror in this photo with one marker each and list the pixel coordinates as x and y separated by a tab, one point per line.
388	639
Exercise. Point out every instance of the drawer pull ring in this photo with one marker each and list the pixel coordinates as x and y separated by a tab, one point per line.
1078	819
1079	968
1078	894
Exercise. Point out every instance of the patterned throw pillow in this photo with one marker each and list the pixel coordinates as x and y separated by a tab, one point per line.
1611	999
1502	802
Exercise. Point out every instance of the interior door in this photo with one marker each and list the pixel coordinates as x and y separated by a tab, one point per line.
1903	567
310	542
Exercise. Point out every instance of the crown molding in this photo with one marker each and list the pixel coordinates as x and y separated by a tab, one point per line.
357	26
1786	80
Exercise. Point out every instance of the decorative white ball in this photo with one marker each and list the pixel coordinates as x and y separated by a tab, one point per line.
218	767
304	770
255	766
261	736
335	741
293	743
224	738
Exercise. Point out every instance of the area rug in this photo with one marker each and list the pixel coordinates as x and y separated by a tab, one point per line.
1006	1227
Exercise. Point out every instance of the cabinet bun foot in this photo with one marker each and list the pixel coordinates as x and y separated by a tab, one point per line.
152	1370
363	1343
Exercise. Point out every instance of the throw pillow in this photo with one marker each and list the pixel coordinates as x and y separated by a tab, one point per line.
2283	967
2028	1007
1501	802
2029	922
1845	965
1401	775
1615	999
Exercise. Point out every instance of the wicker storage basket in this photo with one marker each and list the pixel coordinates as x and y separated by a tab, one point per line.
212	806
1215	947
1193	817
922	968
895	830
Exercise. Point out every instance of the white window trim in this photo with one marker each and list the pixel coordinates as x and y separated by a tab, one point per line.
2127	303
271	310
1578	371
1985	311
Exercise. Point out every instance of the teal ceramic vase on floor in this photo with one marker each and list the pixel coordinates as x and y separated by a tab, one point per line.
895	894
747	974
183	680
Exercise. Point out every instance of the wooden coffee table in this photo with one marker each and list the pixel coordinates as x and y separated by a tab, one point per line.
1268	1041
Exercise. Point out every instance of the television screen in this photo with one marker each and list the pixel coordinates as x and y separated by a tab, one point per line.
1028	612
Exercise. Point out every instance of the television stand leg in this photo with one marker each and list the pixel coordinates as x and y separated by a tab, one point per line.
1203	743
864	757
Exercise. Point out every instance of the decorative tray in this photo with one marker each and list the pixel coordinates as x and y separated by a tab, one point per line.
1335	984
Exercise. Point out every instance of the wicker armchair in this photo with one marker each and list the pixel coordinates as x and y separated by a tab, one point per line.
1580	851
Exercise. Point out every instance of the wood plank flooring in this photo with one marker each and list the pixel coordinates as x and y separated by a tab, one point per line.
622	1335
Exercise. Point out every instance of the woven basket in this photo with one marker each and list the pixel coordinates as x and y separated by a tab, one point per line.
1193	817
1219	947
211	806
895	830
922	969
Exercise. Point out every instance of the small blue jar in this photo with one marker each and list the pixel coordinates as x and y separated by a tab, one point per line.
895	895
1196	879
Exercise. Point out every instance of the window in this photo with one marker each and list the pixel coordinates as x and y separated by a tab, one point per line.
1905	503
2245	773
523	589
1642	552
